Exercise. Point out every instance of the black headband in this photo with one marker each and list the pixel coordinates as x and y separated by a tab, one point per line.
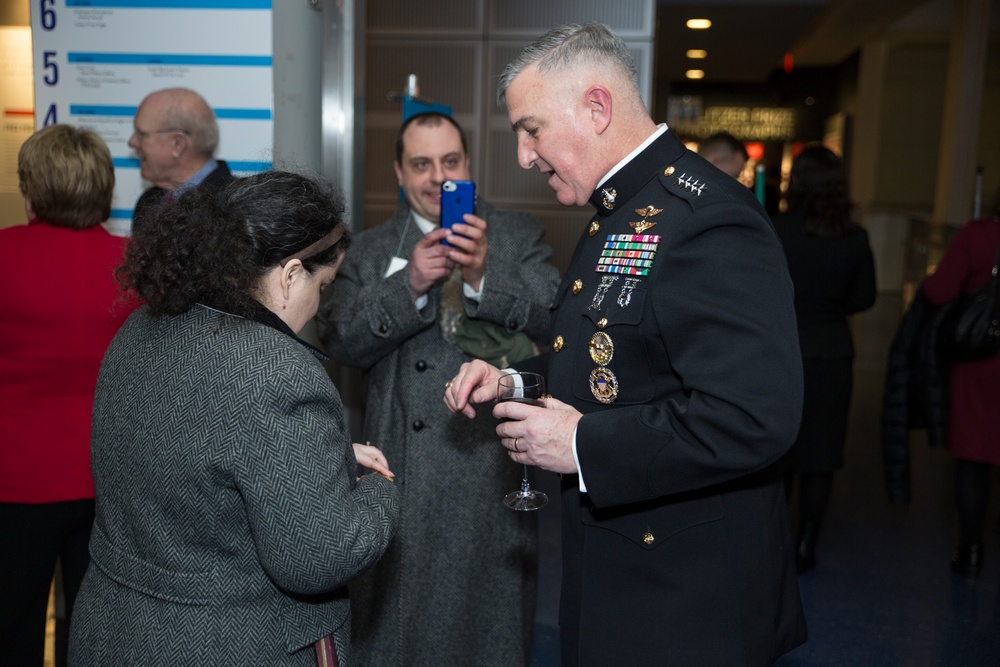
316	247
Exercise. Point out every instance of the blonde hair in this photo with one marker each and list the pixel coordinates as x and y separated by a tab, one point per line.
67	174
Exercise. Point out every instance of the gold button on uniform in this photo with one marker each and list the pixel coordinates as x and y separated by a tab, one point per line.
668	171
594	226
577	286
601	323
558	343
648	537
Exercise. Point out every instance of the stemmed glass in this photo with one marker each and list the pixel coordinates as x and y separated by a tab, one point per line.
526	388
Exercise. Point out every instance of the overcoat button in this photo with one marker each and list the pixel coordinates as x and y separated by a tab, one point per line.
648	538
558	343
577	286
418	425
421	366
382	328
668	171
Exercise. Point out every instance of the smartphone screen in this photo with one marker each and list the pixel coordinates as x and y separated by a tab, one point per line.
457	199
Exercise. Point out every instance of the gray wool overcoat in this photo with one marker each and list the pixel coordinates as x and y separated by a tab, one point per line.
457	585
229	517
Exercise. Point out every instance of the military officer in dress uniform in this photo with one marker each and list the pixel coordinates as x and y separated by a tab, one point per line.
675	374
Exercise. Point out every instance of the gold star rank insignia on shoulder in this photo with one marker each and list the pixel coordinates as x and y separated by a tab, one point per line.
642	225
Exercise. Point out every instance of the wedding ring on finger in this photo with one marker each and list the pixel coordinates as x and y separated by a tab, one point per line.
447	385
515	445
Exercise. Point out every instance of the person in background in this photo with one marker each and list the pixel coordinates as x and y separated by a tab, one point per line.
833	270
457	586
229	513
973	432
58	313
175	135
726	152
675	372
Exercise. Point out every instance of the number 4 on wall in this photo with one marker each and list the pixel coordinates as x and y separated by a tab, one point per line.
50	116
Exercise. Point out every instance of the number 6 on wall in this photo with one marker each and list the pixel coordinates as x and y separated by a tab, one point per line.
48	15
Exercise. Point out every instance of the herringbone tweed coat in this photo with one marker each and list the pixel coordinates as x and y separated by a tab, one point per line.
457	586
229	518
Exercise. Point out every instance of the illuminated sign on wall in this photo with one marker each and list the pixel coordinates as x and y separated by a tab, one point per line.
688	117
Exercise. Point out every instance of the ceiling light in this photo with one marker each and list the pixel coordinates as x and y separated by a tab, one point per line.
695	74
697	54
699	24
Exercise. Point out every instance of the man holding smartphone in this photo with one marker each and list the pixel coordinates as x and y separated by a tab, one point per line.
457	587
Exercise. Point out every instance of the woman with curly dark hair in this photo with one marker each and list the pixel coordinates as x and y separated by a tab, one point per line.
833	270
229	515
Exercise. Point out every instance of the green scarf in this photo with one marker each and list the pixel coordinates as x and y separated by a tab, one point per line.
491	343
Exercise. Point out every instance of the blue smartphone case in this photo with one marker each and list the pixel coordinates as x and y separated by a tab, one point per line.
457	199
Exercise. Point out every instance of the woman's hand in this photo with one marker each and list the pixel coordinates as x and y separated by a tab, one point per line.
476	382
373	458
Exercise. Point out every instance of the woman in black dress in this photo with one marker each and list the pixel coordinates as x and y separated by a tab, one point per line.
832	268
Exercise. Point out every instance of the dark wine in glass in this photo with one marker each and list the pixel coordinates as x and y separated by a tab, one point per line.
527	388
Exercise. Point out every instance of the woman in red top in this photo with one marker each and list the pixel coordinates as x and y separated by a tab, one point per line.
58	313
973	386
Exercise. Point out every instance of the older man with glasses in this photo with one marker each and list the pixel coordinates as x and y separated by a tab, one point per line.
175	136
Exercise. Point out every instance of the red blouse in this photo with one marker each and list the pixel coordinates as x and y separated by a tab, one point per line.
58	312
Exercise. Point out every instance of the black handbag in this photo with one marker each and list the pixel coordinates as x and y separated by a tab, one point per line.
969	326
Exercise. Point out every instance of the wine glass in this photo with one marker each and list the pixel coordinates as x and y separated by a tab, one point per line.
526	388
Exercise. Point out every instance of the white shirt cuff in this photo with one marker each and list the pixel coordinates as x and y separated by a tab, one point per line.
470	292
579	471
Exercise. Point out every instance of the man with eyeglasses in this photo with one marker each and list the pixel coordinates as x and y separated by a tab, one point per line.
175	136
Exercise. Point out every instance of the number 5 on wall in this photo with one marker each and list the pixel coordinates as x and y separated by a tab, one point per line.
51	77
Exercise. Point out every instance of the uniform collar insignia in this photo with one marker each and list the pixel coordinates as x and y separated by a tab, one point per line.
636	174
608	200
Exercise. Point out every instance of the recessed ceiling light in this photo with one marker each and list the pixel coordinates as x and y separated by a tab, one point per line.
699	24
695	74
697	54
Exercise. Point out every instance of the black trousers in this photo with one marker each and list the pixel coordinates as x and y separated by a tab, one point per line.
32	538
972	496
